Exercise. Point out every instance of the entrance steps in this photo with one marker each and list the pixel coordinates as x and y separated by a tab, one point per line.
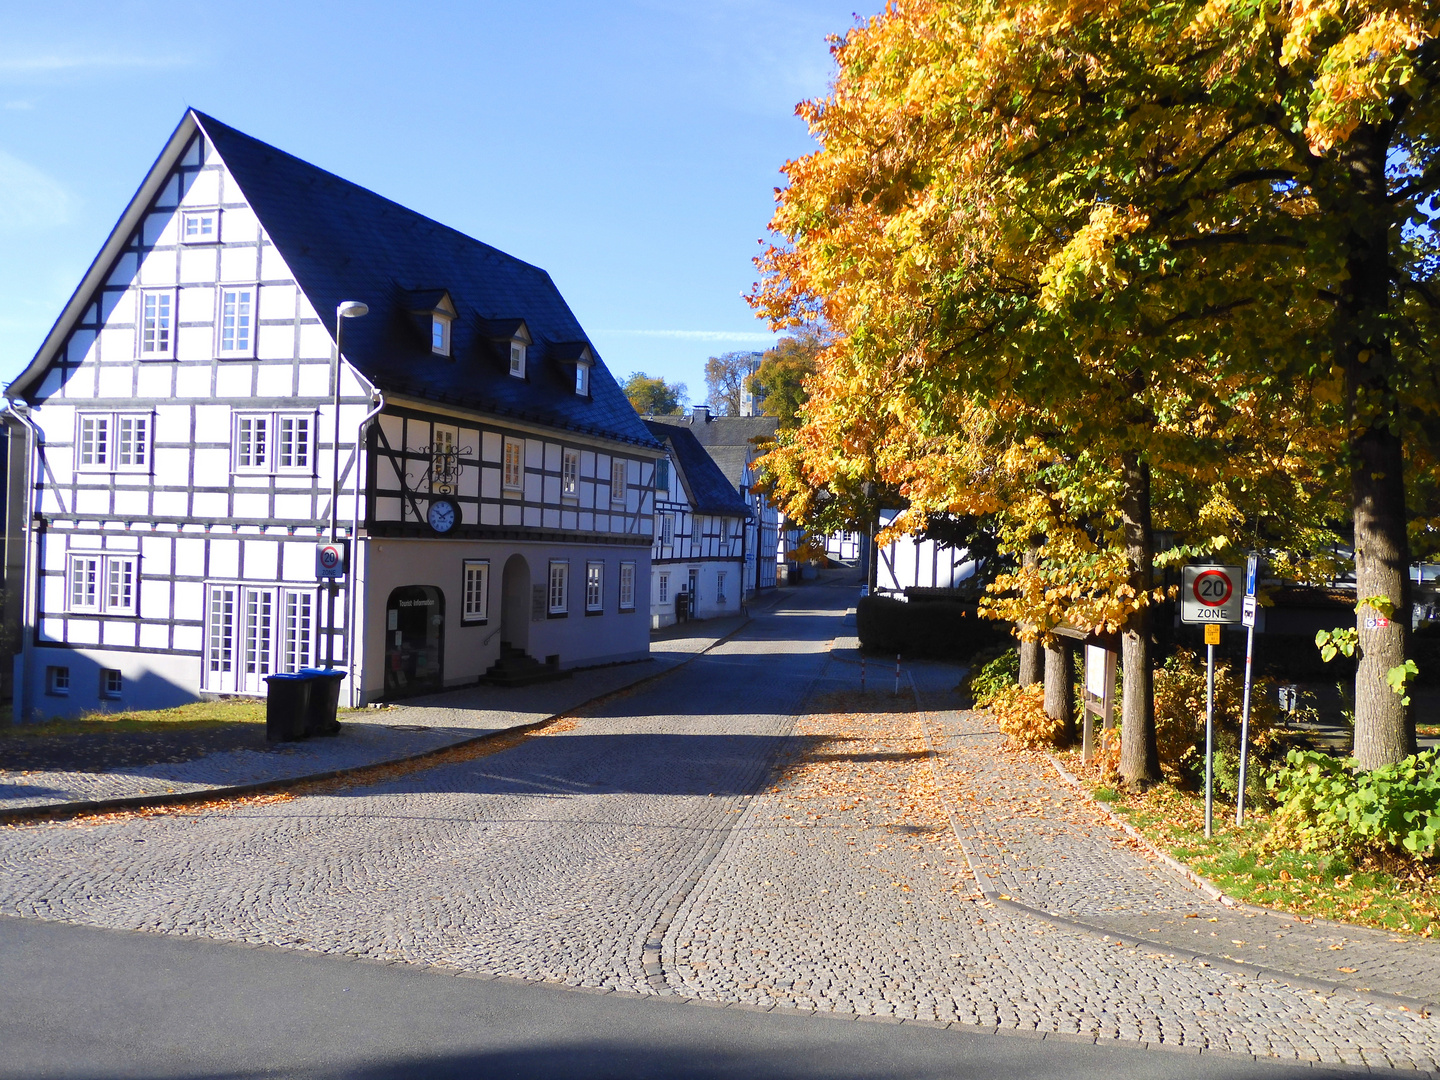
516	667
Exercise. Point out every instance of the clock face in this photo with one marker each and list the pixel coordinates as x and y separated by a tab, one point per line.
444	515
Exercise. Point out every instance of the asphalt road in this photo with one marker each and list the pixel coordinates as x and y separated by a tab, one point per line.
77	1002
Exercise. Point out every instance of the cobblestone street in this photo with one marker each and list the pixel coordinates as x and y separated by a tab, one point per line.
651	846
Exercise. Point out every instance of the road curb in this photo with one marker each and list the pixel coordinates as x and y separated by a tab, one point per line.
1204	884
62	811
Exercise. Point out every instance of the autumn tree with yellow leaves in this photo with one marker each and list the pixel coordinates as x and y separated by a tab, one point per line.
1093	265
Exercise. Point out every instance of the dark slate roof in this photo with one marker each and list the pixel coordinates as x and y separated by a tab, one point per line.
710	492
729	439
344	242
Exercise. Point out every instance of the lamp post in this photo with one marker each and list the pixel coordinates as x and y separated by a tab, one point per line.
346	309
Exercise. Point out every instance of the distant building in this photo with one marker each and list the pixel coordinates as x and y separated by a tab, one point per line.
698	559
733	442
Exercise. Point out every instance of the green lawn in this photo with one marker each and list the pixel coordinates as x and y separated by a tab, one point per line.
1239	861
195	715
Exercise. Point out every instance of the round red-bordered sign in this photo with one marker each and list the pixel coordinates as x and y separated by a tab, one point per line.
1212	588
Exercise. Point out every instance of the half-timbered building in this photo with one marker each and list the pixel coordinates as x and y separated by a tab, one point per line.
698	559
735	443
194	439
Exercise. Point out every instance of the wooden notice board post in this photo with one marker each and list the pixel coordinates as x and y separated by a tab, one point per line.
1101	655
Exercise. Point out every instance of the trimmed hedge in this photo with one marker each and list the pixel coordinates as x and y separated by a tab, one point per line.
938	629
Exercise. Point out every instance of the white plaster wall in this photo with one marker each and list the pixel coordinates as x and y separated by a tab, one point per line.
580	640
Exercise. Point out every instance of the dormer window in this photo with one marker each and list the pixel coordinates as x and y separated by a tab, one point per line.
433	313
582	379
517	359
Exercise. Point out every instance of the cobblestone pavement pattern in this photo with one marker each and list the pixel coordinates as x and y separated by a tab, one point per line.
366	738
639	851
1068	860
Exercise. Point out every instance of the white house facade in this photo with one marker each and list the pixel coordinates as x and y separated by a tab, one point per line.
194	440
698	558
734	444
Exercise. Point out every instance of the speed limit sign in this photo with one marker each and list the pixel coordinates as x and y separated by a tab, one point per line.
330	560
1211	594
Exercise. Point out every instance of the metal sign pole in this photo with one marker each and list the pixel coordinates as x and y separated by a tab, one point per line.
1251	573
1210	730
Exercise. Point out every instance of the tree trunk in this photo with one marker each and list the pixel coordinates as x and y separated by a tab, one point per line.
1060	688
1030	670
1139	754
1384	726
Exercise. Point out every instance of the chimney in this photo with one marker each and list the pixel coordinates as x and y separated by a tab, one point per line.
700	414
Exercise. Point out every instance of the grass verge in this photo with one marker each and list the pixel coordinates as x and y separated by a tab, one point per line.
197	714
1239	861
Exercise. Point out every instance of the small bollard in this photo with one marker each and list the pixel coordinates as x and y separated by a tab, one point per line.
862	673
897	674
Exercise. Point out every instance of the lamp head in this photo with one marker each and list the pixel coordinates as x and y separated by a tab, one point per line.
352	309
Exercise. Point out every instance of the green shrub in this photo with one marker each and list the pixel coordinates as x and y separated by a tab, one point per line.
992	677
942	629
1392	811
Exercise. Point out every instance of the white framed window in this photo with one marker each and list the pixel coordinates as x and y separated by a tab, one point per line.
559	592
627	586
570	473
594	587
236	325
617	480
252	443
113	442
254	632
442	459
274	442
475	591
662	592
112	683
200	227
299	631
517	359
292	437
120	584
667	529
662	474
102	583
720	587
582	379
157	324
57	680
440	335
513	478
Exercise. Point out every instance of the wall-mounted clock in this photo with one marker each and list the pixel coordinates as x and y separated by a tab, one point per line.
443	515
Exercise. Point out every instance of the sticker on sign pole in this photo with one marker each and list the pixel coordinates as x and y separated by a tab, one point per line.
1208	594
330	560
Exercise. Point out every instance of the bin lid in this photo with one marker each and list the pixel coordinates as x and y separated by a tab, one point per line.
321	672
287	677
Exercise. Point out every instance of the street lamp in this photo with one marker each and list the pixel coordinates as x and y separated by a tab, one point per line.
346	309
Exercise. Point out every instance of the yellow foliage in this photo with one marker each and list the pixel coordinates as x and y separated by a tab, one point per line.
1020	714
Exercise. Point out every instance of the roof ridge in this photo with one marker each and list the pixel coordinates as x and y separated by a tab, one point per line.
205	121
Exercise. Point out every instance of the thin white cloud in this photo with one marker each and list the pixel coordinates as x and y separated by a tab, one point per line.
695	335
54	63
29	199
19	106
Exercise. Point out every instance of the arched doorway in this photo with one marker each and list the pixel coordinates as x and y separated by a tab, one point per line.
414	641
515	604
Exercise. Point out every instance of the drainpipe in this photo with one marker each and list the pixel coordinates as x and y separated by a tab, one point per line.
21	411
353	694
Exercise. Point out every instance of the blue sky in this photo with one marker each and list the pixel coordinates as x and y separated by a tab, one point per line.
631	148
